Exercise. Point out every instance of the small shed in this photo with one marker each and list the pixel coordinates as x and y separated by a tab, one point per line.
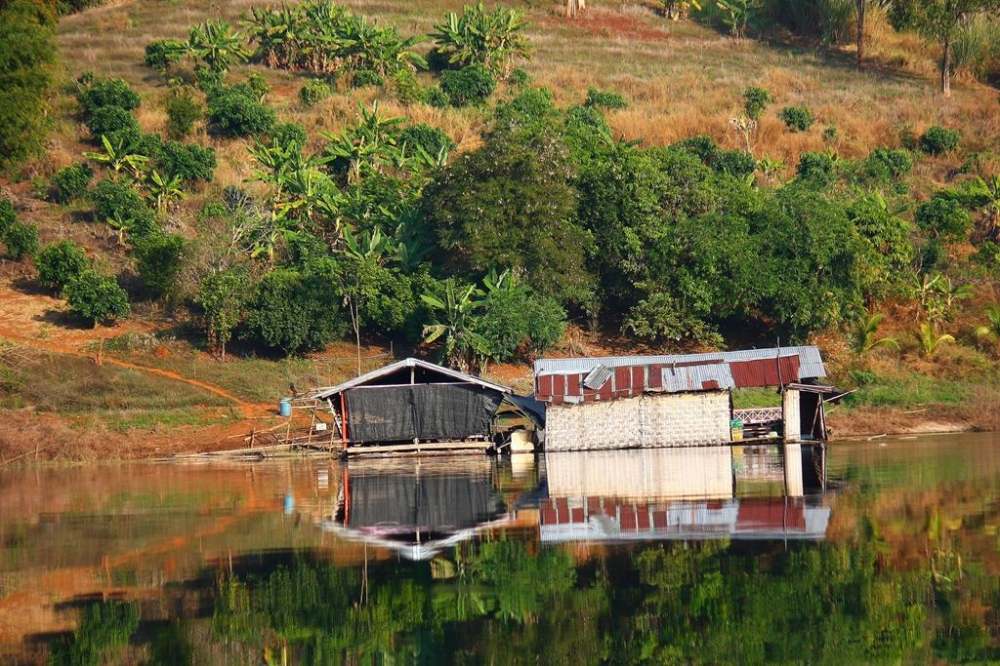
410	404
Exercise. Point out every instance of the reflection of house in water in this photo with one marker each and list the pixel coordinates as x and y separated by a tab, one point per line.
694	493
417	507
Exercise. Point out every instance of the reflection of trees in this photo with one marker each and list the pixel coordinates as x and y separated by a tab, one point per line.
499	602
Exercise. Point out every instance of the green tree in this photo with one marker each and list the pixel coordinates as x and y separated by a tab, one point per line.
940	22
511	203
26	52
59	264
930	340
21	240
158	259
514	321
991	330
97	298
223	298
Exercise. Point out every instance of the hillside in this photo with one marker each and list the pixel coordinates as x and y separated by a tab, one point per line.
609	183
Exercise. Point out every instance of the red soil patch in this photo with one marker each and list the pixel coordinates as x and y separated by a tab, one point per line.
605	23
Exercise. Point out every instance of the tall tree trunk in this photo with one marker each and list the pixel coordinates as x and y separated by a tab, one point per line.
946	68
861	5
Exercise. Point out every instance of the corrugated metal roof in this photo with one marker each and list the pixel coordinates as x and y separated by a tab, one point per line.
761	372
697	377
810	360
323	393
597	377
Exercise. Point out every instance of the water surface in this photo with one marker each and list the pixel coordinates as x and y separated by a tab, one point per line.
882	551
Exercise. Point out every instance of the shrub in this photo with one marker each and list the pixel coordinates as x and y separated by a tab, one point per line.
887	164
234	113
703	147
607	100
431	139
291	311
71	183
797	118
469	86
59	264
736	163
209	80
21	240
158	260
943	218
519	78
97	298
363	78
120	205
189	161
182	113
755	100
938	140
313	92
113	122
7	215
285	134
162	52
817	168
436	97
107	92
407	87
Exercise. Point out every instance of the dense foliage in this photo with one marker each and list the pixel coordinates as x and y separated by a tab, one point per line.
26	51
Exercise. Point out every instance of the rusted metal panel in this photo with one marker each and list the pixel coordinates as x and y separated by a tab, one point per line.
655	377
811	361
573	388
623	379
710	385
764	372
558	385
544	387
638	379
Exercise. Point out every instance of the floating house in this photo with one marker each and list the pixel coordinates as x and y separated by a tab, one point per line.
680	400
413	405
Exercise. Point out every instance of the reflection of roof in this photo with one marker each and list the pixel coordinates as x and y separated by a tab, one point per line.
410	550
445	374
577	380
609	519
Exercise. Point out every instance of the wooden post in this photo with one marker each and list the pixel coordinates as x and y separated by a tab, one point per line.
343	419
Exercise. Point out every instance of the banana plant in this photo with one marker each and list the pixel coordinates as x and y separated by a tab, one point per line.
164	189
119	159
455	323
217	45
929	339
479	37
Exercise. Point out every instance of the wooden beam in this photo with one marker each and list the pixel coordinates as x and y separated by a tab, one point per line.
422	448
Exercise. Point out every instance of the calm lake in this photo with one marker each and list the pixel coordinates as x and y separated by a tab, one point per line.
880	551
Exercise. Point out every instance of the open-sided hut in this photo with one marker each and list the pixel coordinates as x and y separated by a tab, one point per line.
678	400
410	404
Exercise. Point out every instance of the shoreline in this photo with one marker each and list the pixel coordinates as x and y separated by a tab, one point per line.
37	439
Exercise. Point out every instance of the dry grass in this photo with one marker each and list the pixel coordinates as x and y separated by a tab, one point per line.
681	79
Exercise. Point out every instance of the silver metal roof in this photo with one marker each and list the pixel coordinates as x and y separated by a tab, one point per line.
323	393
810	360
693	377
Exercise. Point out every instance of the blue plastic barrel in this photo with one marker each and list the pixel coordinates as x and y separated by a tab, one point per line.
285	406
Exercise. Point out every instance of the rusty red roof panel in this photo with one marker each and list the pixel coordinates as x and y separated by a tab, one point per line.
764	372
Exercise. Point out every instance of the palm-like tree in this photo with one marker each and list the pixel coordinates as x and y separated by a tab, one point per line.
929	339
455	325
991	330
217	45
164	189
492	39
119	158
863	336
